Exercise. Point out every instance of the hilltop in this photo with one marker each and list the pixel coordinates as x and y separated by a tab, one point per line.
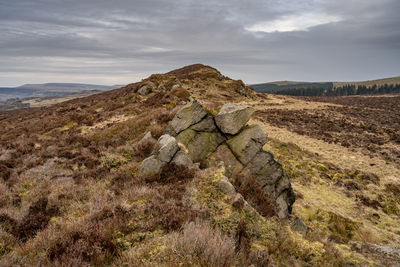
74	186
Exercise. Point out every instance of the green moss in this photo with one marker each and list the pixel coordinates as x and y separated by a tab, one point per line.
186	136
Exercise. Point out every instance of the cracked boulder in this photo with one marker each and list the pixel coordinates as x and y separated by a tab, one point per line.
247	143
190	114
168	148
232	118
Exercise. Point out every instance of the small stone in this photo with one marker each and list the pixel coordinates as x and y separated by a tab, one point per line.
232	118
151	166
168	148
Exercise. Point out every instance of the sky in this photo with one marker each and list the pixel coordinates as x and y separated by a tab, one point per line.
124	41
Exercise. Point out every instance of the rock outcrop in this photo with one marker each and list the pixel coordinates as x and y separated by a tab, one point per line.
227	138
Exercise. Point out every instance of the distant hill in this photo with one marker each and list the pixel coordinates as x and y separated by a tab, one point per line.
67	86
380	86
49	89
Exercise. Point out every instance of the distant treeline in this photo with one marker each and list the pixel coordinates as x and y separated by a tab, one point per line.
344	90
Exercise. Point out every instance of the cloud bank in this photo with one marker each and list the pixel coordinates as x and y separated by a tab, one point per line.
120	41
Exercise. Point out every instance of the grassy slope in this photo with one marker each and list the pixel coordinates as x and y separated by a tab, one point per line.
80	157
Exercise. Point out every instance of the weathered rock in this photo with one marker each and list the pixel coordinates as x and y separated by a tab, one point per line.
241	154
270	174
190	114
200	144
168	148
182	159
258	163
206	125
226	186
225	155
203	144
151	166
232	118
247	143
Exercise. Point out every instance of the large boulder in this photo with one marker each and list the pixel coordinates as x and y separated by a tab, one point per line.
232	118
190	114
168	147
247	143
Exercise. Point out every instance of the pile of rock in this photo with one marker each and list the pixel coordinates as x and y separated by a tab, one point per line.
168	151
227	138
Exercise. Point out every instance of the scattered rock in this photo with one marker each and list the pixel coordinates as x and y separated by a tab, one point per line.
147	88
232	118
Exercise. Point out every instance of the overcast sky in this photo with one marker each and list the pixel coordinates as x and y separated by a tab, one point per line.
123	41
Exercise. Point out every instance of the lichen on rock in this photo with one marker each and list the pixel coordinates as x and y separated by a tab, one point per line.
226	138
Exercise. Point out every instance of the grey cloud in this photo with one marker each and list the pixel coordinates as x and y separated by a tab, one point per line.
122	39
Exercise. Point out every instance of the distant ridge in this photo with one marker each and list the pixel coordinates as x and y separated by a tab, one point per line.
379	86
50	89
68	86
